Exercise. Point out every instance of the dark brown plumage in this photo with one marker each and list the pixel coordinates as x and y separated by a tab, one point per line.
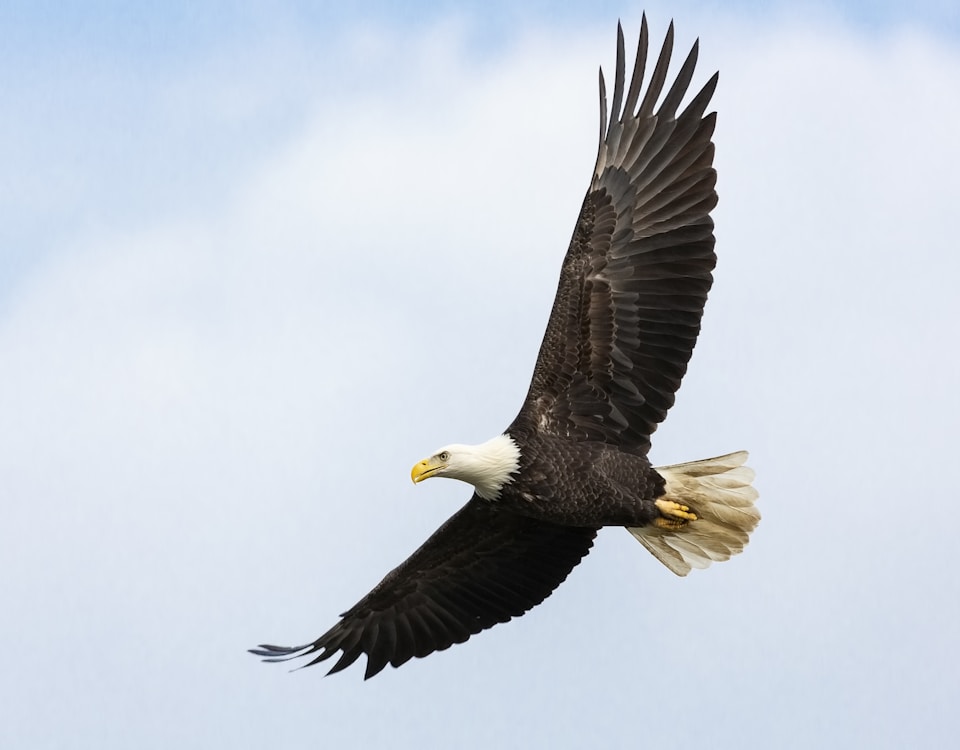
481	567
624	323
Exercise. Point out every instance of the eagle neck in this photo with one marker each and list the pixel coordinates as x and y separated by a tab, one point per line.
495	464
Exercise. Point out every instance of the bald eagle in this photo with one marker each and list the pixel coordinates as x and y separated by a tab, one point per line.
624	323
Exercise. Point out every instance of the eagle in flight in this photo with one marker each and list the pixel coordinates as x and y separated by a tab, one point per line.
632	289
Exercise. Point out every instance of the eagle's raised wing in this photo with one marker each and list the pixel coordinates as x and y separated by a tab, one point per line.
483	566
635	278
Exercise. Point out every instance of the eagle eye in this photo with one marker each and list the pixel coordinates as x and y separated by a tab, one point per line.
443	456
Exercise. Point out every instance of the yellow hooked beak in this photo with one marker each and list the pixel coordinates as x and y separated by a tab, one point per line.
426	468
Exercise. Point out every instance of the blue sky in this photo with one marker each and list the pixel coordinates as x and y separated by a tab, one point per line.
222	231
87	87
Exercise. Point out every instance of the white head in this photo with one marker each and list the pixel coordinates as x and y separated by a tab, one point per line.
488	466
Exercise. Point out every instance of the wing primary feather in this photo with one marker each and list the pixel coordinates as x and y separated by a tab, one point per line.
344	636
659	76
276	654
347	658
639	67
618	77
680	84
699	103
603	118
324	654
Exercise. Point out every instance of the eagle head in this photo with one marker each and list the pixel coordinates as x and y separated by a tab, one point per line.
488	466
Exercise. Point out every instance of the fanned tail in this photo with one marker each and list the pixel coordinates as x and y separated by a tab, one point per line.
716	490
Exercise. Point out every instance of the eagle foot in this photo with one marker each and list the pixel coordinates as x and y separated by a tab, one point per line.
673	516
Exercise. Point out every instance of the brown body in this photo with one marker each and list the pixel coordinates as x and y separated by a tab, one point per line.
611	487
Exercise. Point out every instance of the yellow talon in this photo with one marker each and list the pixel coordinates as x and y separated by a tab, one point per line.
675	515
668	524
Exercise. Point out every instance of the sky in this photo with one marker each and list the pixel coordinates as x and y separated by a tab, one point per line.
258	260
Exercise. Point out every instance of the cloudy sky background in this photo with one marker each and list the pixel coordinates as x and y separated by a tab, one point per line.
255	263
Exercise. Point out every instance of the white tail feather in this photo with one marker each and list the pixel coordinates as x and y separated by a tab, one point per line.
718	491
